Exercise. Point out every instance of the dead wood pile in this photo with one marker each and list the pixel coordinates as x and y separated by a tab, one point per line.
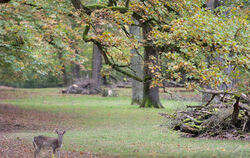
229	119
83	86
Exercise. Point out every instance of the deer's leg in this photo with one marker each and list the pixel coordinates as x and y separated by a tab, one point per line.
37	152
58	153
54	152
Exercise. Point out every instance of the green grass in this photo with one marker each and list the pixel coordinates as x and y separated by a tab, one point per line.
111	126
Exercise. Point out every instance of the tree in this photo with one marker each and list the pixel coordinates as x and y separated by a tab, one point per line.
214	6
136	65
169	31
96	67
97	64
151	92
182	33
25	32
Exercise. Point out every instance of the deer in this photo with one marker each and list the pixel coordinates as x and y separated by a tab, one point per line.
56	144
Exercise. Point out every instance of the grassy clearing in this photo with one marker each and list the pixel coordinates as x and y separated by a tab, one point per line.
113	127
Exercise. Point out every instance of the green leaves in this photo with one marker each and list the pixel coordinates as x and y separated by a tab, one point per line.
26	32
208	42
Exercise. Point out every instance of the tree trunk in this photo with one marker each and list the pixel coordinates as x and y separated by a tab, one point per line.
77	68
211	4
65	76
236	111
96	67
136	62
150	94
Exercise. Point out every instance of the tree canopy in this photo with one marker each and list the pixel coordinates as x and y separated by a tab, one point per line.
32	34
41	36
183	35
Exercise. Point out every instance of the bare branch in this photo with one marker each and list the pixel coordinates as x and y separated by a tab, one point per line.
213	96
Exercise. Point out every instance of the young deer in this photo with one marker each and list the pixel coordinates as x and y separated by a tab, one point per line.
43	141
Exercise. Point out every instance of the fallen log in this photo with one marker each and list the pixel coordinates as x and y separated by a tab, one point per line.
193	106
244	107
197	122
245	97
187	129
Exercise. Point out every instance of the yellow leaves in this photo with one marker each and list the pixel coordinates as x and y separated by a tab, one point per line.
176	67
222	148
153	154
46	27
203	77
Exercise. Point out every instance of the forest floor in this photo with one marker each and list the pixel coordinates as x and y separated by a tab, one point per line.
99	127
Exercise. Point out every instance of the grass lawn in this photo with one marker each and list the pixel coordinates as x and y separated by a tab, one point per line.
111	126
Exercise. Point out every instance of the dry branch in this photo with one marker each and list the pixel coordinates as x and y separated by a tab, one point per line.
244	107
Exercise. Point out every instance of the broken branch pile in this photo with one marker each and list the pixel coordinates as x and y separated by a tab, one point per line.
229	119
83	86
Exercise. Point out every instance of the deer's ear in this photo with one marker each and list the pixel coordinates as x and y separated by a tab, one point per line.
56	130
64	132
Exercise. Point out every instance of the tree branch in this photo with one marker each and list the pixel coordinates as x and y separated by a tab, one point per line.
213	96
85	33
115	66
4	1
127	3
215	92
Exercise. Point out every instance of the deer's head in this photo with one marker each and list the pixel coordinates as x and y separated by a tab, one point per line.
60	134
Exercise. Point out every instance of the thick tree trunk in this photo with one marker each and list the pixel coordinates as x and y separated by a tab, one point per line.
136	62
97	63
96	67
150	94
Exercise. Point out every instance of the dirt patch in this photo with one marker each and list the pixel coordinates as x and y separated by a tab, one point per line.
13	118
5	87
10	94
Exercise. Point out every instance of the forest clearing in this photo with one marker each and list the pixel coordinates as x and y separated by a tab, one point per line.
124	78
99	127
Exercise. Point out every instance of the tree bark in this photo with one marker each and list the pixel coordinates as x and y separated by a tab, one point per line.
150	94
77	71
236	111
65	76
96	67
136	64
